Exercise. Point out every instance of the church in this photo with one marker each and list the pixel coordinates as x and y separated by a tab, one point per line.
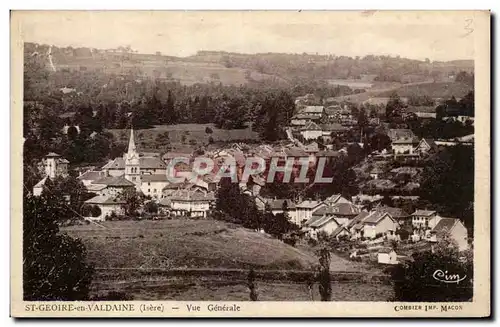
147	172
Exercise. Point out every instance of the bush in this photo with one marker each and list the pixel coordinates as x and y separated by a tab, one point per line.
95	211
210	140
86	210
208	130
415	281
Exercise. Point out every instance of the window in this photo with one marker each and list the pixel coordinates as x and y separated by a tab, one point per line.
154	190
149	190
133	179
149	183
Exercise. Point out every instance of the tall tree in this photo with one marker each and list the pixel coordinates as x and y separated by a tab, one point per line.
54	265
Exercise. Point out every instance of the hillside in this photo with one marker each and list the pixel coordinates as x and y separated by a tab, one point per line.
434	90
238	68
185	244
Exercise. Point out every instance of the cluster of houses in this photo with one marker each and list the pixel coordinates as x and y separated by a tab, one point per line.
338	217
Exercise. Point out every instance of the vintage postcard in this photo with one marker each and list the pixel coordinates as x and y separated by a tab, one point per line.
250	164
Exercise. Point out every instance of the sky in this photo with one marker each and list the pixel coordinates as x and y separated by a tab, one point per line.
417	35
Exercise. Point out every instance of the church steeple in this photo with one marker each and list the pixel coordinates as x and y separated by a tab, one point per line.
131	143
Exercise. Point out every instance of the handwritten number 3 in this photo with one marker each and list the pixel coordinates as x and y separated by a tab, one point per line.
468	27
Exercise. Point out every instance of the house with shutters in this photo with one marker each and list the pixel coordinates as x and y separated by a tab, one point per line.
52	166
306	208
311	131
421	218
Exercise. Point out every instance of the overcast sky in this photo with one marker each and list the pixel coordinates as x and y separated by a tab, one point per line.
418	35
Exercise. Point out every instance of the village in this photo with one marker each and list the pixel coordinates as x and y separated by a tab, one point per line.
362	226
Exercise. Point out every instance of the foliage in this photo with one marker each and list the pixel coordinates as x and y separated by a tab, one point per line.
95	211
324	278
54	267
448	183
151	207
414	281
133	201
251	285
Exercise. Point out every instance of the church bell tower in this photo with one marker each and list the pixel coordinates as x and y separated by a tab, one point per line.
132	162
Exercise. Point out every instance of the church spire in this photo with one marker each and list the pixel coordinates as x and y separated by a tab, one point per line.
131	142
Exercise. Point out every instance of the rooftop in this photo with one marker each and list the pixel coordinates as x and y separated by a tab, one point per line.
116	181
423	213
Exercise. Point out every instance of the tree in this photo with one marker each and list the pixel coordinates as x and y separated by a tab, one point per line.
133	201
95	211
423	279
151	207
324	279
394	106
54	264
208	130
251	285
448	183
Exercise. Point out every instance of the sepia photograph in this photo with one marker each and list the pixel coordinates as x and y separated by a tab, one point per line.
222	159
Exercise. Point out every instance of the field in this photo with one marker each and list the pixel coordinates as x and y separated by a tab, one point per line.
380	95
186	72
196	132
209	260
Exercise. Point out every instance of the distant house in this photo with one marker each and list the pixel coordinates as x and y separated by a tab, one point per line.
387	256
300	120
317	111
326	224
404	145
190	202
110	186
376	172
340	232
336	198
355	225
425	115
378	223
402	140
453	228
311	131
306	208
426	146
398	214
421	218
91	176
153	185
277	206
107	204
333	112
52	166
344	212
333	128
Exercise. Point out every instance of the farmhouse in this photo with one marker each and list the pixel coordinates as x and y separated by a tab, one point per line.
452	228
326	224
355	225
421	218
107	204
191	202
378	223
398	214
306	208
110	186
